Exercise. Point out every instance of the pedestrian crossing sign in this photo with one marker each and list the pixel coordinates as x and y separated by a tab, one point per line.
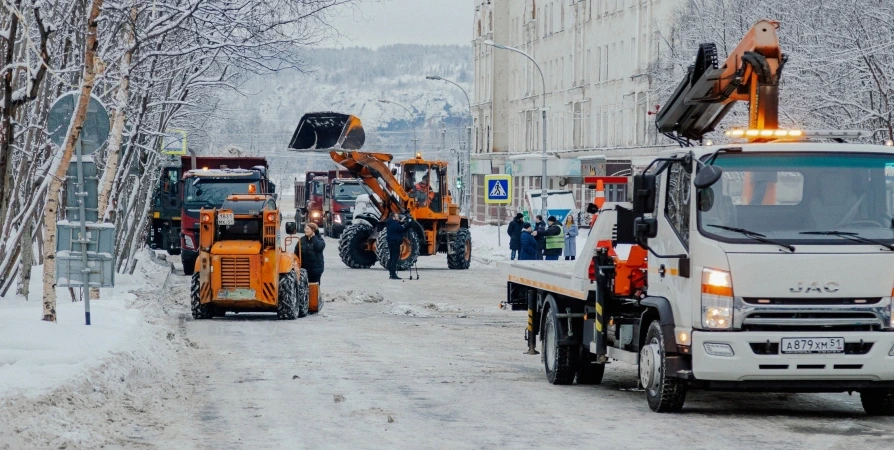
498	189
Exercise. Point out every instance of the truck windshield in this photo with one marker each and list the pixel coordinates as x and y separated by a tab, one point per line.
347	192
789	197
213	192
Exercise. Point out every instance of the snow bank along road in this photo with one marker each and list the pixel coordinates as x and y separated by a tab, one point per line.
430	363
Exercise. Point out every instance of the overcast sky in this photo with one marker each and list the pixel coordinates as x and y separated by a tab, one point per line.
382	22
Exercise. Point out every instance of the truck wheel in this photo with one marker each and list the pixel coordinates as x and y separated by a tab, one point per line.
173	251
350	246
287	297
560	361
199	311
462	250
663	392
303	300
409	250
189	264
589	371
878	402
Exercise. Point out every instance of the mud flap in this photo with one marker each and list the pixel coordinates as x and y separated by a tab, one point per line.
313	297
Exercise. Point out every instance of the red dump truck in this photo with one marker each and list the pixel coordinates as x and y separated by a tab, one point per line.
326	199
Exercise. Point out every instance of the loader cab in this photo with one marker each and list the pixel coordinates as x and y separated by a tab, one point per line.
425	182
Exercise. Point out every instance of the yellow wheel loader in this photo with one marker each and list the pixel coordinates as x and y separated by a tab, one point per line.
244	267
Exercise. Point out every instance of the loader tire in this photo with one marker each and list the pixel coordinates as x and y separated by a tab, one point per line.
461	257
303	300
199	311
409	250
664	393
878	402
287	302
589	371
560	361
351	243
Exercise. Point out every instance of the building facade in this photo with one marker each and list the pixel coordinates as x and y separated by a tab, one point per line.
595	56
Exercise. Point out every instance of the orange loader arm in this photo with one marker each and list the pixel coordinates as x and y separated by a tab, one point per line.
751	74
372	169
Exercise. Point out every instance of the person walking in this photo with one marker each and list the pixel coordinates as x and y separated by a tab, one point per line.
515	230
540	229
527	244
571	233
554	242
394	234
312	246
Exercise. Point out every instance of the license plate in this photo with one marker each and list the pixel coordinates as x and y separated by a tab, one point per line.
225	219
813	345
236	294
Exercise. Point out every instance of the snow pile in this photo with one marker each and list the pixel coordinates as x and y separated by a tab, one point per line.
355	297
114	375
402	309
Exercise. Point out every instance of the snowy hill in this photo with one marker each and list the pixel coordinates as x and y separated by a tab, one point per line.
350	80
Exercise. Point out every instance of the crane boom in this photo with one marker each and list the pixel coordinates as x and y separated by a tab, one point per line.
751	74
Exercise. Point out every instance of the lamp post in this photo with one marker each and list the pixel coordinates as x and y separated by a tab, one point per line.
466	197
412	122
543	156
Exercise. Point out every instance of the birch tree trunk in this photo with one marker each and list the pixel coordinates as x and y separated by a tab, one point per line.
74	131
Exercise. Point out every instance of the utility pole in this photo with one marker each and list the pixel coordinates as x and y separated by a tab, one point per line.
465	204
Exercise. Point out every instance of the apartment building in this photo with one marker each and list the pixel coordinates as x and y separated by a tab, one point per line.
595	56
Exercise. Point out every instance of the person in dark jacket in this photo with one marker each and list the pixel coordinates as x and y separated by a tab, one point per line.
540	229
553	239
312	246
528	244
515	230
394	229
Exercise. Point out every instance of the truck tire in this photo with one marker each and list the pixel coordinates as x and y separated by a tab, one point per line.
462	250
589	372
878	402
663	392
409	254
302	300
189	264
287	298
199	311
174	251
560	361
350	246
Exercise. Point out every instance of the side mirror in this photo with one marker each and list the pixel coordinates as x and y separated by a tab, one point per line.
291	228
645	228
394	171
707	176
272	187
592	209
644	194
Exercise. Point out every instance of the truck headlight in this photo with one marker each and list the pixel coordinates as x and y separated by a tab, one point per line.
336	218
315	214
188	242
717	300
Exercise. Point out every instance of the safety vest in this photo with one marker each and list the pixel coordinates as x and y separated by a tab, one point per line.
557	241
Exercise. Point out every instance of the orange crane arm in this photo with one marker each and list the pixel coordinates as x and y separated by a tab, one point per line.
372	169
708	91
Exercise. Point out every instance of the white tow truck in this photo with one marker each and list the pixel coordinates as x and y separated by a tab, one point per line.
760	267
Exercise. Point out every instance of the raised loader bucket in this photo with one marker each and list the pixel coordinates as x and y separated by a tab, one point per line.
327	131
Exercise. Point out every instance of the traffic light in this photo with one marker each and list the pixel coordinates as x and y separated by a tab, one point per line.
459	183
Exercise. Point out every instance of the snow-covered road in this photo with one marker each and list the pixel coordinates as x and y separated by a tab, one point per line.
434	363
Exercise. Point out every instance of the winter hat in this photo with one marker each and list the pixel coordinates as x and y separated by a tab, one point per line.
526	226
551	219
519	216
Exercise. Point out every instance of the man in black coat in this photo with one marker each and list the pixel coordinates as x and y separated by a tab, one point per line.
394	234
540	229
312	246
515	230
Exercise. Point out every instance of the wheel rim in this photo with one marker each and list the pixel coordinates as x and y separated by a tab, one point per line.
649	366
468	254
406	248
550	347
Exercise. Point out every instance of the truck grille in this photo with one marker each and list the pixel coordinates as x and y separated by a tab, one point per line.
800	314
235	273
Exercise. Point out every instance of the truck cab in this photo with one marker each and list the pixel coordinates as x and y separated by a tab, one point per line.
340	197
164	232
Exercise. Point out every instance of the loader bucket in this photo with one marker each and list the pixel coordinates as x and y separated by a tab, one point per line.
326	131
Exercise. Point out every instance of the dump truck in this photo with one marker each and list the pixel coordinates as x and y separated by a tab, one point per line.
245	266
420	192
736	267
327	199
206	182
164	213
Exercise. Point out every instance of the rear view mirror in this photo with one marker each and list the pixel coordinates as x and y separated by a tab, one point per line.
645	229
291	228
394	171
644	194
707	176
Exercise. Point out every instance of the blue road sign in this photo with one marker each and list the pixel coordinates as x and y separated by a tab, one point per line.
498	189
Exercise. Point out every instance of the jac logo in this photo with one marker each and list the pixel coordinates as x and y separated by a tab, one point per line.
814	287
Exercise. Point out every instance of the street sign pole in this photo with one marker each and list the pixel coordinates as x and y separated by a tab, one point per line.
82	210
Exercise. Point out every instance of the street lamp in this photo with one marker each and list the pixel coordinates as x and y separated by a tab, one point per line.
412	122
466	199
543	156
